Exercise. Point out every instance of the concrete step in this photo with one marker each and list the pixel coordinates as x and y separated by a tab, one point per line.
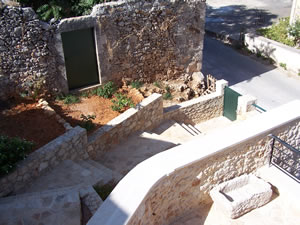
172	129
69	174
134	150
61	207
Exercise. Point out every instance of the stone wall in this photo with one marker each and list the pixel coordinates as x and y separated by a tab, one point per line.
199	109
71	145
145	115
295	11
188	188
169	184
150	40
146	40
27	53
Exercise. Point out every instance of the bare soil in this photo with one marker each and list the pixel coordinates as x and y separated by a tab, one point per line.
24	119
93	105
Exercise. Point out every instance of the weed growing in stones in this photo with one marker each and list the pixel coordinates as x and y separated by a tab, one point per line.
136	84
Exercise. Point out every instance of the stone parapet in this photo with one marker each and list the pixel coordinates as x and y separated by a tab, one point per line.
70	145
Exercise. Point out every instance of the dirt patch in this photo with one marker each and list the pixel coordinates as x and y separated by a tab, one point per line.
93	105
24	119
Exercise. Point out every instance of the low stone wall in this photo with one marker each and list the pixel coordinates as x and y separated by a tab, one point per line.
70	145
280	53
145	115
200	109
173	182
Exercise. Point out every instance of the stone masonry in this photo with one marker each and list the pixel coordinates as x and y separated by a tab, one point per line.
188	187
150	40
71	145
27	53
145	40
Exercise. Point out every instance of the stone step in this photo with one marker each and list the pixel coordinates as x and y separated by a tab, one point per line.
68	174
134	150
51	207
189	129
172	129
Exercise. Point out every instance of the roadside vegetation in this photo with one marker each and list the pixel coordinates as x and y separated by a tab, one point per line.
283	32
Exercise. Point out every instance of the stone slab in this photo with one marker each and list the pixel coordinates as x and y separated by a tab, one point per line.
240	195
47	208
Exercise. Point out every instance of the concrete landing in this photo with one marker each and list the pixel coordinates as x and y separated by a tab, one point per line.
71	174
134	150
47	208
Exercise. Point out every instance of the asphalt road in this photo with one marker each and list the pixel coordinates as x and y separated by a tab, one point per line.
272	87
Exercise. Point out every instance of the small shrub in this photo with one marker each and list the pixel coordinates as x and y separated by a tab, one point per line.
71	99
136	84
278	32
12	150
104	190
157	84
87	121
107	90
294	31
121	102
167	96
283	65
84	94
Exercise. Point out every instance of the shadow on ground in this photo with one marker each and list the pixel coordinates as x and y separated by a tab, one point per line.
234	19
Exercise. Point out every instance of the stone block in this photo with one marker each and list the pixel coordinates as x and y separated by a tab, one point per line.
241	195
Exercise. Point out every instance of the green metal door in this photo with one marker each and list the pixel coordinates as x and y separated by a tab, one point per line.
230	103
80	58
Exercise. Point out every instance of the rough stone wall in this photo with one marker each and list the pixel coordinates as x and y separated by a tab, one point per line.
147	114
70	145
200	109
197	110
150	40
188	187
27	53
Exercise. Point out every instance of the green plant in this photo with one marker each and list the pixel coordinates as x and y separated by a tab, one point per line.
294	31
278	32
84	94
136	84
283	65
71	99
12	150
107	90
87	121
167	96
157	84
121	102
104	190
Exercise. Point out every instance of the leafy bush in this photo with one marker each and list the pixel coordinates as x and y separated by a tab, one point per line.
167	96
294	31
71	99
283	65
136	84
157	84
278	32
12	150
87	121
107	90
121	102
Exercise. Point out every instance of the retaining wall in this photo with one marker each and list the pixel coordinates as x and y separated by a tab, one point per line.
71	145
145	115
171	183
199	109
280	53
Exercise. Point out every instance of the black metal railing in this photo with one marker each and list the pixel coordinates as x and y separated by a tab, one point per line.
285	157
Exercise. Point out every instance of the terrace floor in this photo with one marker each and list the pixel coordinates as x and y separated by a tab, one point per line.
281	210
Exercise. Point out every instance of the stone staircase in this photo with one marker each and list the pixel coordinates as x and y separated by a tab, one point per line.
57	197
142	146
65	194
